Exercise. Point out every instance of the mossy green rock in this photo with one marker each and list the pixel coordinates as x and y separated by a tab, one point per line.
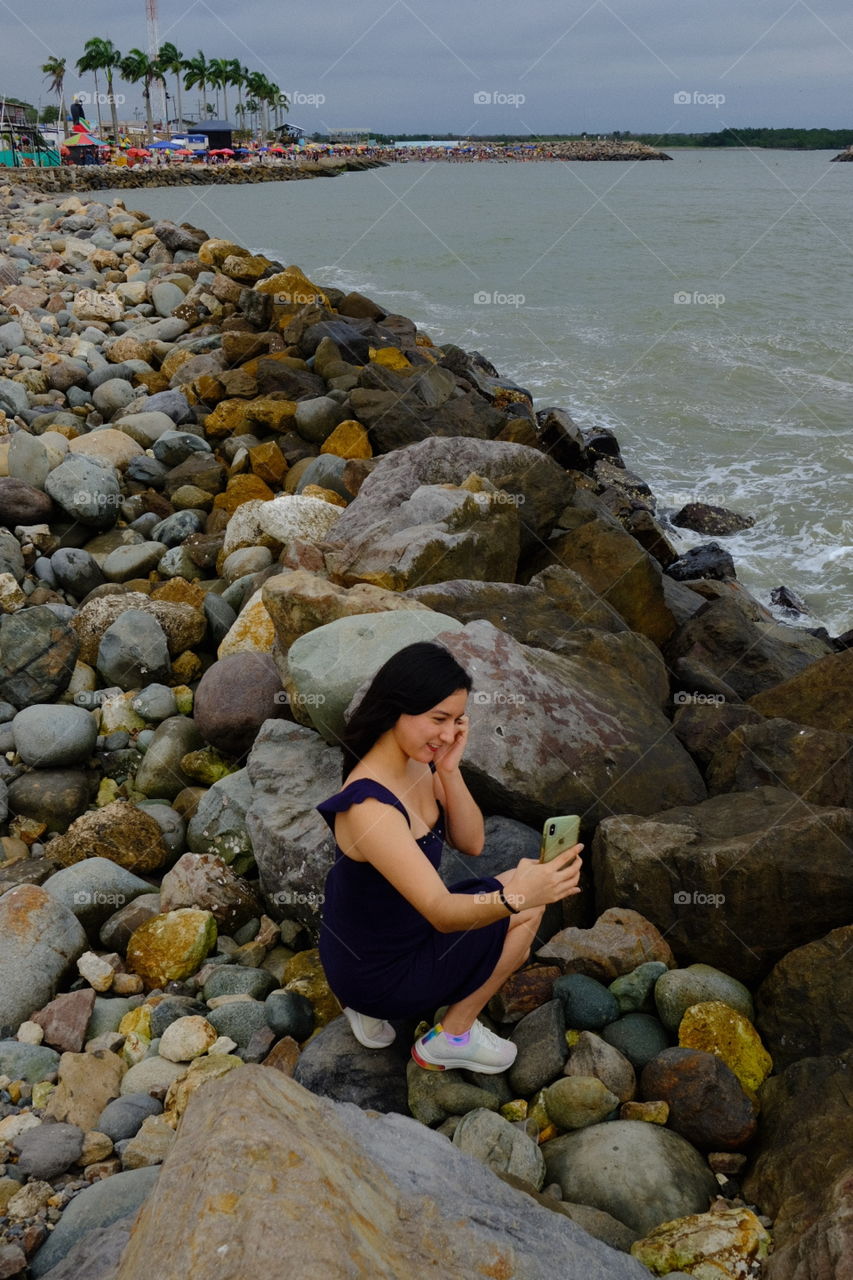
172	946
635	990
578	1101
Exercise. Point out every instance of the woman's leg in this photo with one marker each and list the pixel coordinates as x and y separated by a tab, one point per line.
519	939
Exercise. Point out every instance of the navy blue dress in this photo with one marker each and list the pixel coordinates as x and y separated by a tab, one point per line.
380	955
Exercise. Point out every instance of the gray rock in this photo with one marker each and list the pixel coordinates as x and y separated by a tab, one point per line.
592	1056
170	822
32	1062
29	459
134	561
220	616
239	980
588	1004
327	471
154	703
542	1050
146	427
76	570
52	736
171	1009
166	296
500	1146
98	1206
122	1118
639	1036
292	845
329	664
635	991
108	1013
334	1065
134	651
117	929
177	562
174	447
160	773
176	528
173	403
677	989
11	556
49	1150
316	419
112	396
289	1014
240	1020
220	823
87	491
39	941
642	1174
151	1075
11	335
13	396
94	890
97	1255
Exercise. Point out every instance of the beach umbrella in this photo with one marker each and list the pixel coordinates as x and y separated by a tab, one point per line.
166	145
184	151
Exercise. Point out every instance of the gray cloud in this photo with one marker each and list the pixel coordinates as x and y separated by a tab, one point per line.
394	65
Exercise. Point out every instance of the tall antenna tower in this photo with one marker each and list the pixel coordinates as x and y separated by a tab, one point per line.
158	88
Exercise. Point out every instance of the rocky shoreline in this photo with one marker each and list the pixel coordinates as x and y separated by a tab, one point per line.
227	492
71	177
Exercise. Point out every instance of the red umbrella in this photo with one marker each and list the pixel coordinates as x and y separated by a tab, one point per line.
184	151
138	151
222	151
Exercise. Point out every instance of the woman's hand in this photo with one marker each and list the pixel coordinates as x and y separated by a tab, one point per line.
447	758
536	884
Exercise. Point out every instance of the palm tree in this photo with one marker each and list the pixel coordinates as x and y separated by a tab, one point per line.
138	67
90	62
197	74
260	89
171	59
236	77
102	55
54	70
221	70
252	107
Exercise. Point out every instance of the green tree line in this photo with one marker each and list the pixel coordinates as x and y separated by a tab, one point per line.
101	58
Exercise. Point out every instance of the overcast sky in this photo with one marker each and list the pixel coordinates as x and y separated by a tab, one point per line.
544	66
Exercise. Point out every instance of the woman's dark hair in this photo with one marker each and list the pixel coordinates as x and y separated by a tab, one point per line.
416	678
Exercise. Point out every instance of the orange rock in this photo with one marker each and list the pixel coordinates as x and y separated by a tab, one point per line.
187	666
179	591
348	440
326	495
174	360
209	388
240	489
283	1056
268	462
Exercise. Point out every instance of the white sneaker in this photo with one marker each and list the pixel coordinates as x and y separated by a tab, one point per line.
373	1033
484	1051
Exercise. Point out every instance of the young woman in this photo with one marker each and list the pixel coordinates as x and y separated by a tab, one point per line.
394	941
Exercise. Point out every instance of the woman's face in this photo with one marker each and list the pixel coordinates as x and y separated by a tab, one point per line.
420	737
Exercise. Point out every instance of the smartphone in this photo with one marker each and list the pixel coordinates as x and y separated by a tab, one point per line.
558	834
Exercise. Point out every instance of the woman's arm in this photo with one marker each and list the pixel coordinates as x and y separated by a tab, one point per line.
464	819
382	836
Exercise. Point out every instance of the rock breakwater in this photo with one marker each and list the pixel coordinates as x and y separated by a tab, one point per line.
227	492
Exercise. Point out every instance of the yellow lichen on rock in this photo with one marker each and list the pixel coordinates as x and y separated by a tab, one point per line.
716	1028
348	440
304	974
721	1245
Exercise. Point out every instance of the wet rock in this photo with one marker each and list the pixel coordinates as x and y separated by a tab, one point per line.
821	695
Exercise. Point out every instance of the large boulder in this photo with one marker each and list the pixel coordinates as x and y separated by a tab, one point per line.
334	1065
816	764
120	832
395	419
39	941
184	625
293	846
554	734
642	1174
749	656
820	696
352	1198
532	482
327	666
805	1004
707	1104
734	882
441	531
800	1168
299	602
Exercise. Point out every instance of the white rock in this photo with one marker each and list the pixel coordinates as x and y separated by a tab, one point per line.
99	971
293	516
88	304
224	1044
12	597
30	1033
187	1038
27	1202
13	1126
